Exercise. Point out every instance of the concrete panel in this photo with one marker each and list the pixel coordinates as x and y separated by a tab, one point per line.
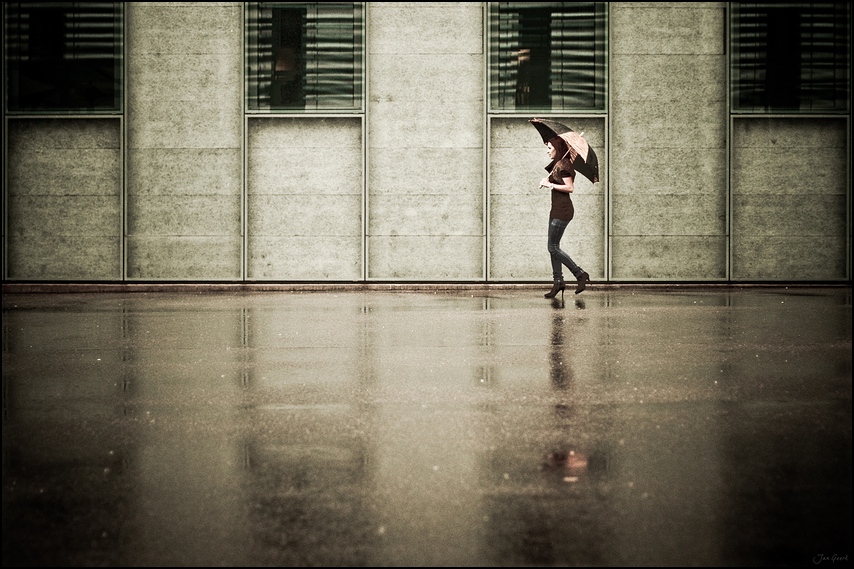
797	134
430	257
789	258
426	141
181	28
210	123
433	28
659	28
697	214
304	198
524	257
670	78
180	77
513	215
303	257
288	171
668	171
806	215
789	156
34	135
181	257
62	172
64	199
668	257
668	141
426	170
412	123
64	257
426	214
519	210
789	186
685	124
185	130
184	63
780	171
304	155
184	215
322	216
518	171
391	76
65	215
517	215
325	135
185	172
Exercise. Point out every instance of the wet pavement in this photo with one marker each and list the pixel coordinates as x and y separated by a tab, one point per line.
482	427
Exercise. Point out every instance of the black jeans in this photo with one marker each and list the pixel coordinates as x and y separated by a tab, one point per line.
559	257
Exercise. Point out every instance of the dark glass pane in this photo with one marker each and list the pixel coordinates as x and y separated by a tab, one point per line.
791	57
304	56
63	56
548	56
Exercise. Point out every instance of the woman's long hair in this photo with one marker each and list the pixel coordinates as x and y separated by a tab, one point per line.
564	159
561	147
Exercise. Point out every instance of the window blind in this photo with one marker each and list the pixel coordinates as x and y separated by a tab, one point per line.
791	57
63	56
548	55
305	56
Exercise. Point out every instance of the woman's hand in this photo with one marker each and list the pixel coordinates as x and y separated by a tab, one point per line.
568	188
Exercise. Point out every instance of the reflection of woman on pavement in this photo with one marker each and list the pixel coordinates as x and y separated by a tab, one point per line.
561	182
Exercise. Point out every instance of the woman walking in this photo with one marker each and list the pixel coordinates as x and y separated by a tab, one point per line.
561	181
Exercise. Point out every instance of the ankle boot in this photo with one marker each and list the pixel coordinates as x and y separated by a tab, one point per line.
582	282
558	287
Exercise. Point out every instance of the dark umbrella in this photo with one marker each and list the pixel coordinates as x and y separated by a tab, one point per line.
583	158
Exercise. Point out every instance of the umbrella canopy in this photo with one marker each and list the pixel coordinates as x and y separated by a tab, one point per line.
583	157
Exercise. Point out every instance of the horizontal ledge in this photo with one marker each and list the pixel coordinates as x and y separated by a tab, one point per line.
380	286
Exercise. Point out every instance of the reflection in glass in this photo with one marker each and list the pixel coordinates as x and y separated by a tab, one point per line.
304	56
63	56
790	57
547	56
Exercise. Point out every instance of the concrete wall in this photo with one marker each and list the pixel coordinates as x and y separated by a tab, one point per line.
425	137
64	184
425	185
304	185
789	186
668	141
184	138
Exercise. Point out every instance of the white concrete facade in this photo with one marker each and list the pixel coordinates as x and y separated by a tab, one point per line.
425	184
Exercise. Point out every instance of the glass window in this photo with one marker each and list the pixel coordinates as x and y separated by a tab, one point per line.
791	57
305	56
547	56
63	56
